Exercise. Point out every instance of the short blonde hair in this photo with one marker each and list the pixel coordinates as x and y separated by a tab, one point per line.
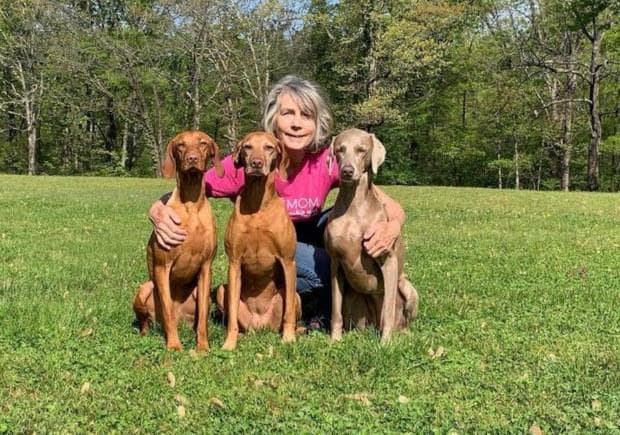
308	96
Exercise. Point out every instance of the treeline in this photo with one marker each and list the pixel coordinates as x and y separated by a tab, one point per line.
505	93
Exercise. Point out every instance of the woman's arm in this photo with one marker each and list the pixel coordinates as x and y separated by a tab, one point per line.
380	238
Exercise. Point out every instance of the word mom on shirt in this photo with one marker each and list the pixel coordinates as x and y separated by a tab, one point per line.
302	207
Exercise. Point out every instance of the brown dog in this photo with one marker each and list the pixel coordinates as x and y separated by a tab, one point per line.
260	243
365	291
181	276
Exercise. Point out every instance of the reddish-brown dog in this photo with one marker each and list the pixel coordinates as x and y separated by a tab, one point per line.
175	273
260	243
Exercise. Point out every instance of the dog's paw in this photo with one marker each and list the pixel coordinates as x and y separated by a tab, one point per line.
174	345
336	336
386	337
202	347
288	337
229	344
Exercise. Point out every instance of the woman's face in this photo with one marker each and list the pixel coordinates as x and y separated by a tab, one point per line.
294	126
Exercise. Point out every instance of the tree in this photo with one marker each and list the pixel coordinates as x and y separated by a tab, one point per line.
23	48
594	18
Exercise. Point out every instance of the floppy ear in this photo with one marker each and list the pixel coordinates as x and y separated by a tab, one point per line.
237	155
169	167
215	155
283	160
378	154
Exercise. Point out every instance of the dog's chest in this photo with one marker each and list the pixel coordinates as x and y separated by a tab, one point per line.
345	233
198	246
258	257
344	241
256	241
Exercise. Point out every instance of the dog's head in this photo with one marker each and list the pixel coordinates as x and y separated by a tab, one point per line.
260	153
190	151
357	152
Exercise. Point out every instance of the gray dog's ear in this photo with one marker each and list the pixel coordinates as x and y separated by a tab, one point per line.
378	154
331	157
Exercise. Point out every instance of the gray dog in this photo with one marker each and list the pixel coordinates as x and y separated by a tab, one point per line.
365	291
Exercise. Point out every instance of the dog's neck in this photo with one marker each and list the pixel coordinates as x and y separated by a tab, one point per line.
353	194
190	187
257	192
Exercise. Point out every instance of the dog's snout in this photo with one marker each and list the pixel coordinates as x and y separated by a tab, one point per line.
347	171
257	164
192	158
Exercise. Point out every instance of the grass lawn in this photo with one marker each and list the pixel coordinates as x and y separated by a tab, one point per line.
519	324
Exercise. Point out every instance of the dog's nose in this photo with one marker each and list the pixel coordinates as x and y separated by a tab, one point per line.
347	171
192	159
256	164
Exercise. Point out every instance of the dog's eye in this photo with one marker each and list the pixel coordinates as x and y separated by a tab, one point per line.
360	150
247	146
181	146
269	147
340	150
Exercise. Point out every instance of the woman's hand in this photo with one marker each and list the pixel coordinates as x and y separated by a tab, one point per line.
166	224
380	238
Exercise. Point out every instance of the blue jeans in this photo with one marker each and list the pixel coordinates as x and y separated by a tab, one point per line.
313	268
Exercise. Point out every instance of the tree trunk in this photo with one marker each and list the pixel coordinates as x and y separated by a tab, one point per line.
564	117
31	128
196	92
464	110
539	175
150	120
112	129
614	172
30	112
158	135
231	126
372	80
499	173
596	129
516	159
125	141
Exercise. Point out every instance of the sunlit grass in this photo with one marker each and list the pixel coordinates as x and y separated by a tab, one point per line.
519	324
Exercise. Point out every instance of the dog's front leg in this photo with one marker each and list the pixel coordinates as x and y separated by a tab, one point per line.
289	321
337	296
168	316
233	297
202	308
389	270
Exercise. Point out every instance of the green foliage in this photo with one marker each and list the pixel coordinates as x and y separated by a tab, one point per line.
518	324
450	87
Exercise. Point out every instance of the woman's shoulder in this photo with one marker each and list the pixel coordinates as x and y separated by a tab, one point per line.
323	163
324	157
227	186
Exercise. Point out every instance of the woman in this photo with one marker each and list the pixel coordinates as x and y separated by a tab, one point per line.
296	113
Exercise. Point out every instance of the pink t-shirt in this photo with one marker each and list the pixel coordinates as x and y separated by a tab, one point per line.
304	193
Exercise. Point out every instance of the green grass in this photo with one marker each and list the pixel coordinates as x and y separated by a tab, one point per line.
521	290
